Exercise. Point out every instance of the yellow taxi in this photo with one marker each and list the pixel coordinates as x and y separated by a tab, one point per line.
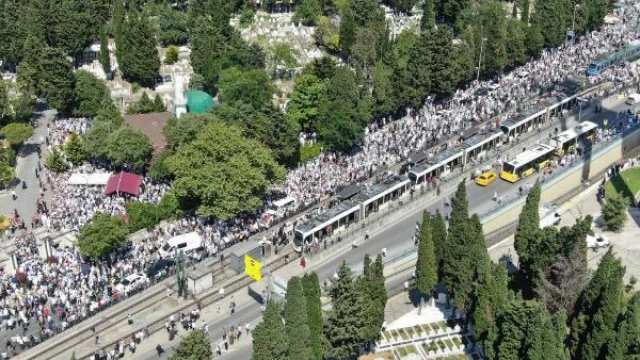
486	178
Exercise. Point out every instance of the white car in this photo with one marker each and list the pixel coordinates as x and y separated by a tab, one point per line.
130	283
597	241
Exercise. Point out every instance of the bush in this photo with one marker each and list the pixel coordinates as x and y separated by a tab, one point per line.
309	152
55	161
141	215
614	212
171	56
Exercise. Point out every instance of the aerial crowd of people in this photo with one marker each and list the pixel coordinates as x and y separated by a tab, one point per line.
57	291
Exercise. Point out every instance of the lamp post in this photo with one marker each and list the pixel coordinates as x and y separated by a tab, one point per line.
480	59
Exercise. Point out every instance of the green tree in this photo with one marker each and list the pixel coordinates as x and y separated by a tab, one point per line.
443	77
308	12
105	57
56	80
614	212
428	20
419	64
7	174
303	107
75	27
251	87
524	17
295	318
9	30
169	207
626	344
171	56
73	149
439	236
100	235
597	311
184	131
195	346
89	94
347	31
130	147
172	27
311	287
282	56
534	41
382	90
221	173
97	139
374	296
55	161
524	331
16	134
450	10
141	215
270	336
492	297
553	20
159	170
515	47
527	233
459	267
343	328
426	265
268	125
339	107
139	59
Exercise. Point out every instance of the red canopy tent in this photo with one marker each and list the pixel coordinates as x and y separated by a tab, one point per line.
124	182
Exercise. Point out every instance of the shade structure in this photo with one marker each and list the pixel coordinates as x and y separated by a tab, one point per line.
124	182
199	102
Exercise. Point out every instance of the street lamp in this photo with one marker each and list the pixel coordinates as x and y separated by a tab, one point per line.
480	59
573	24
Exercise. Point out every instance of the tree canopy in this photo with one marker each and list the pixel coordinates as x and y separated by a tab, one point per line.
221	173
100	235
195	346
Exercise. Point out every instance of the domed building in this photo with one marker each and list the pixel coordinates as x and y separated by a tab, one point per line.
199	102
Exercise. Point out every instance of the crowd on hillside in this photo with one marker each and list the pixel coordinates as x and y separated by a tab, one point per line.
59	290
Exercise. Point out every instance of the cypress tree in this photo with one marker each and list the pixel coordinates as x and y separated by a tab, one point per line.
459	269
311	287
295	317
492	297
439	236
428	21
426	267
523	331
347	31
139	59
57	80
343	329
528	233
525	12
598	307
374	296
270	336
105	61
118	20
626	344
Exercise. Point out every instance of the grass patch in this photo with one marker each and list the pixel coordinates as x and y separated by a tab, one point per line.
627	184
457	341
409	332
402	352
418	330
443	325
403	334
309	152
388	336
449	344
411	349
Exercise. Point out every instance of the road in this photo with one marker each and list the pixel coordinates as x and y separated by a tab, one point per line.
396	238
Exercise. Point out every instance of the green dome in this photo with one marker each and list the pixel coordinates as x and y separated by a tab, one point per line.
198	102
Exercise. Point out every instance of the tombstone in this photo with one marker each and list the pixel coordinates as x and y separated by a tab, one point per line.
457	328
461	347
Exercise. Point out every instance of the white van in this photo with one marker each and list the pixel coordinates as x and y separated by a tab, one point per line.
633	99
280	205
185	242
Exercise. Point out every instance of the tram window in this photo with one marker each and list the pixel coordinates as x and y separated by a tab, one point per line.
508	168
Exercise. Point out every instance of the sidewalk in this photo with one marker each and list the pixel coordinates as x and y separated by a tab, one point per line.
27	161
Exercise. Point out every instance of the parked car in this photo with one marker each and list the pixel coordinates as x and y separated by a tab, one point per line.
597	241
158	267
130	283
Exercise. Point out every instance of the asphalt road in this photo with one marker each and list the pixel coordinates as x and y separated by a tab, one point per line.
396	238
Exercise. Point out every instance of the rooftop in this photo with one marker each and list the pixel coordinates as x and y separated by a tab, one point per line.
151	125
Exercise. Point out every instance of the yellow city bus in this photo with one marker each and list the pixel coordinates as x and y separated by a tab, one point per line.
567	141
527	163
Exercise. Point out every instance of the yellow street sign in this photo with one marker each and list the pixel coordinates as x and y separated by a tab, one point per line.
253	268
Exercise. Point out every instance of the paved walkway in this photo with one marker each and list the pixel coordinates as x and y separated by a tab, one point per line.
28	160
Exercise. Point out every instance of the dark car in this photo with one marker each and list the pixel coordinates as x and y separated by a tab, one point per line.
158	267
